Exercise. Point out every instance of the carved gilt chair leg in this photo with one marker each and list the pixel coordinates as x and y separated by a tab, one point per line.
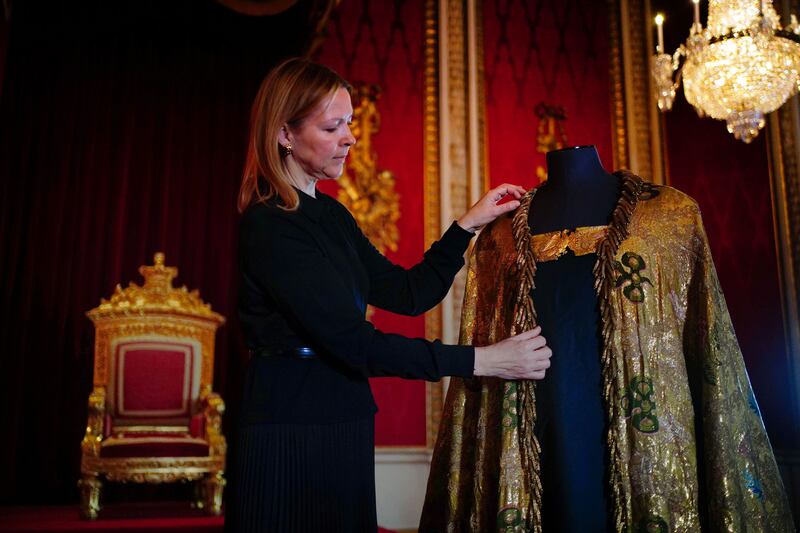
200	494
90	486
214	484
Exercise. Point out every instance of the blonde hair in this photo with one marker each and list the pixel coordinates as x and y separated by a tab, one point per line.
288	94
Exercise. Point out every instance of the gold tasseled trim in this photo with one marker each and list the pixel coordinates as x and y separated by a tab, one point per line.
604	284
525	319
582	241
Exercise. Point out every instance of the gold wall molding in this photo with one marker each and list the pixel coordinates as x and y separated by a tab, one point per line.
455	149
431	197
464	176
636	125
619	134
476	95
454	141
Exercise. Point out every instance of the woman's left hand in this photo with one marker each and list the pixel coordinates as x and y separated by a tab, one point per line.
486	209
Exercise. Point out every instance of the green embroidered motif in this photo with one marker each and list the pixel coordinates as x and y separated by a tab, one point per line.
629	271
639	404
652	524
509	520
509	414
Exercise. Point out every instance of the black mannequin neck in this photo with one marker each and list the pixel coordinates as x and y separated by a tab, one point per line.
577	168
578	192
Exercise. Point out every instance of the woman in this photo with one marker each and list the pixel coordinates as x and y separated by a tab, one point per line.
306	452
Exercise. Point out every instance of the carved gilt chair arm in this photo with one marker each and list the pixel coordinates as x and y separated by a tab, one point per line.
213	409
95	421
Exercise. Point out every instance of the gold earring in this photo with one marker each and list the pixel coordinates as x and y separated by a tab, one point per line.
289	149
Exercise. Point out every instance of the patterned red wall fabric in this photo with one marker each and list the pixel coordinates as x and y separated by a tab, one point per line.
382	43
551	51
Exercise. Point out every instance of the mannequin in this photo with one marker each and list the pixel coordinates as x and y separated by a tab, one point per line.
579	193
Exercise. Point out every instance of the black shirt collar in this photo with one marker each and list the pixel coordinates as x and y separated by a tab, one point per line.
312	207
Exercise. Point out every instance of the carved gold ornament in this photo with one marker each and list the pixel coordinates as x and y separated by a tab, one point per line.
368	193
157	295
551	135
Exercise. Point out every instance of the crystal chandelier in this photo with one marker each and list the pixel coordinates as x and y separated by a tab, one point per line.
742	66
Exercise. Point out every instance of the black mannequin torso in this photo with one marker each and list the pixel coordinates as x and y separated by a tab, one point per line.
578	192
571	422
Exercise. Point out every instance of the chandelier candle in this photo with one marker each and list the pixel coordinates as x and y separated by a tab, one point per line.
660	28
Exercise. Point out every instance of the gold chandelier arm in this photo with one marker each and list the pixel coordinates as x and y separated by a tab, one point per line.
680	52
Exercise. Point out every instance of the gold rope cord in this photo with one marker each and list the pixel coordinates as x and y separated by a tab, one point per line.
525	319
604	285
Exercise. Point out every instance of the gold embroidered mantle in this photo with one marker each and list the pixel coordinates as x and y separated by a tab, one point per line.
686	444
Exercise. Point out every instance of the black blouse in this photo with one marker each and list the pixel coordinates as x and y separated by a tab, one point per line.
306	279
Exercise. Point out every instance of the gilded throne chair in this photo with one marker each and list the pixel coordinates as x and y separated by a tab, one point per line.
153	417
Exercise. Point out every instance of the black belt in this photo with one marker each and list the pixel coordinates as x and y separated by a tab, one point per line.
300	352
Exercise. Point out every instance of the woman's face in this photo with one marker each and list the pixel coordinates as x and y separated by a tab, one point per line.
321	142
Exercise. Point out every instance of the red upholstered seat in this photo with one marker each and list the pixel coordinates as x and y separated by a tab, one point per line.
154	445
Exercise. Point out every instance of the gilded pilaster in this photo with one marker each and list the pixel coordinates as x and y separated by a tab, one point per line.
636	125
455	148
431	196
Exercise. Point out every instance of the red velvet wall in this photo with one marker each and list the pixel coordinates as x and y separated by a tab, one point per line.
730	180
551	51
382	43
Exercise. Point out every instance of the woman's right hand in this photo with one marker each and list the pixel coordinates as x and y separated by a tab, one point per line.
523	356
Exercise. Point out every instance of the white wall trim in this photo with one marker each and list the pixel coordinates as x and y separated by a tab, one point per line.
401	477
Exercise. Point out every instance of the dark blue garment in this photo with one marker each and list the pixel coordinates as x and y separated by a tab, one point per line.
571	420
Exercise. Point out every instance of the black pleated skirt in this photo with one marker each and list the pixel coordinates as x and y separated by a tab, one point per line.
298	478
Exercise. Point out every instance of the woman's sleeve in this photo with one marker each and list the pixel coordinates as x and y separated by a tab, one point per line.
285	261
417	289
